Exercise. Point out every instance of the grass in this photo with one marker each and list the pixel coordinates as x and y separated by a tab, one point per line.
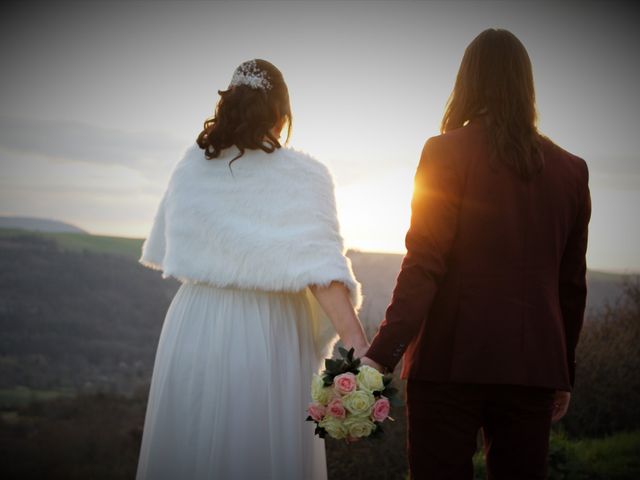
20	396
612	457
616	457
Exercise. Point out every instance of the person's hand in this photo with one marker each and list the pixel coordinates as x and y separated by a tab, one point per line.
360	350
372	363
358	342
560	405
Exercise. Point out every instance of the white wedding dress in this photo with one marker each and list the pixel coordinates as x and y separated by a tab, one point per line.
230	387
243	335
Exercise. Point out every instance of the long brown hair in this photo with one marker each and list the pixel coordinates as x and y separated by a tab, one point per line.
495	78
245	114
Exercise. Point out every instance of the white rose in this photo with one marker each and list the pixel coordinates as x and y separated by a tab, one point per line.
320	393
359	426
359	402
334	427
369	379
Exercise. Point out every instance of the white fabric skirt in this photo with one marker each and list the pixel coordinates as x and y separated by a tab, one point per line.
230	386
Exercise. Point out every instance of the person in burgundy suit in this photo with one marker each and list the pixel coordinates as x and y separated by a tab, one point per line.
490	299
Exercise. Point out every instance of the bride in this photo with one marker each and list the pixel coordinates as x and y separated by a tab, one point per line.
250	229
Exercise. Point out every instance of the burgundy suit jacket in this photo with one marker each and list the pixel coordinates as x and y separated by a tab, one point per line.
492	288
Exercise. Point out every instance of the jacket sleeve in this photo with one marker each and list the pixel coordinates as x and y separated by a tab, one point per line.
435	207
572	280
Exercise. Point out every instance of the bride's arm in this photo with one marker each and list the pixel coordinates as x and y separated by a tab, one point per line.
336	303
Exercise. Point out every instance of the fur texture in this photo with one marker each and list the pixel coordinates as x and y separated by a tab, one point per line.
268	222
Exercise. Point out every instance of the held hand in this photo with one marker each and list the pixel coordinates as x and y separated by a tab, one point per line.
560	405
372	363
360	350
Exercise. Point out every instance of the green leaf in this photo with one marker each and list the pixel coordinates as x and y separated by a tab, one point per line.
343	352
321	432
387	379
350	354
309	419
331	365
377	433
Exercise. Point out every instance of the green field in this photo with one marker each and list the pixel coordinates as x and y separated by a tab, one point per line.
129	247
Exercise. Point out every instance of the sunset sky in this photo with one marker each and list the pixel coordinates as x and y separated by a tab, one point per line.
99	99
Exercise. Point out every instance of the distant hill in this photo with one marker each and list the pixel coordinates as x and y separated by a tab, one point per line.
38	224
75	320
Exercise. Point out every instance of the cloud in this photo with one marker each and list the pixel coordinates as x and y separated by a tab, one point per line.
82	142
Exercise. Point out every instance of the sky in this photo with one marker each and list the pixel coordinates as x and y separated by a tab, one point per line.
98	100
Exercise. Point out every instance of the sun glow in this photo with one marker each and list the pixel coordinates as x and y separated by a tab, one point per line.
374	215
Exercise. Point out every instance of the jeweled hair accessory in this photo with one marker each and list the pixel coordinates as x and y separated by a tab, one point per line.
248	73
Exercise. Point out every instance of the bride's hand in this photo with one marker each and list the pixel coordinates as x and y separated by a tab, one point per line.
360	349
372	363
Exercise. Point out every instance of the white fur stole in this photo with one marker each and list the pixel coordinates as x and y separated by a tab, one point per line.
268	222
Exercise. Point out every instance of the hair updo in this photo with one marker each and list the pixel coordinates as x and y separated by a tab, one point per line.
247	111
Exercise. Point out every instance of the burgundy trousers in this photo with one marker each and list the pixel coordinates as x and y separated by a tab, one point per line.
444	420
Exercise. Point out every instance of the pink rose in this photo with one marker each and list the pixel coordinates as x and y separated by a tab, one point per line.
316	411
380	409
345	383
336	409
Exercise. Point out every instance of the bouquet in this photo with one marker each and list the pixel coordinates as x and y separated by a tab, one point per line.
350	400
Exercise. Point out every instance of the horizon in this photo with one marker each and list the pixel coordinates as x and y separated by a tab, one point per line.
93	121
348	249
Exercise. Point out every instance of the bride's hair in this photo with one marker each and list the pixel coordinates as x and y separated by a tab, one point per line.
495	78
257	98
